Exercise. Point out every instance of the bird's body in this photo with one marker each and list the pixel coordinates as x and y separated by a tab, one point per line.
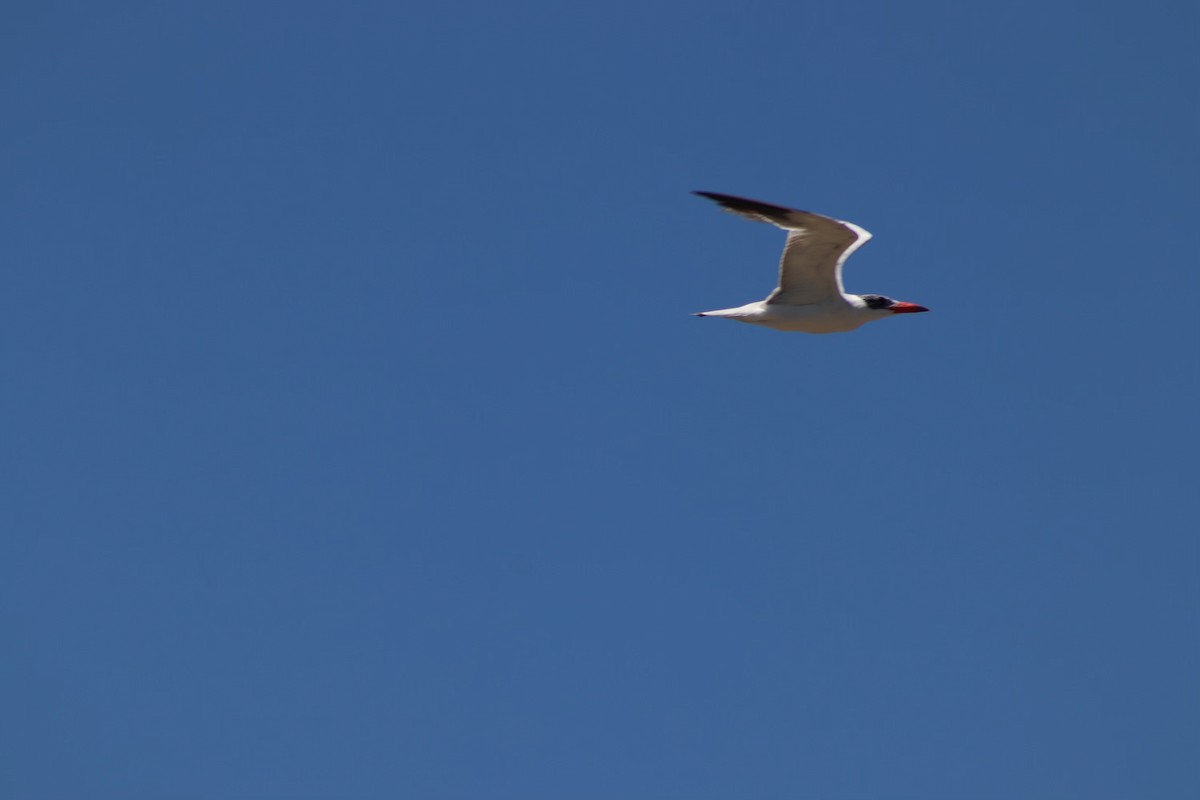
831	316
810	297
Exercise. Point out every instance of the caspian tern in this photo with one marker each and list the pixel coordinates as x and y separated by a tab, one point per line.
810	297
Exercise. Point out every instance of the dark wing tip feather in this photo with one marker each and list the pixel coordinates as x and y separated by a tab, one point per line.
742	205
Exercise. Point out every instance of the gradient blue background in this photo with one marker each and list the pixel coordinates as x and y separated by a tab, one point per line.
358	441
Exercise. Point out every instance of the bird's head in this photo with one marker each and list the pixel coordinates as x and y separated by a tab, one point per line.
878	302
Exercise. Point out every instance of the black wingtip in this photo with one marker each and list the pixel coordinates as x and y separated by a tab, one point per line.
745	205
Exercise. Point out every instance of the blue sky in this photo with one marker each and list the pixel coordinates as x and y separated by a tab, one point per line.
359	442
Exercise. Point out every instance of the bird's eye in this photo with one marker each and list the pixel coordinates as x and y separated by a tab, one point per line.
877	301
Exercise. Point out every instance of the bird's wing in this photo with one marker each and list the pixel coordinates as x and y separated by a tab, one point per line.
811	268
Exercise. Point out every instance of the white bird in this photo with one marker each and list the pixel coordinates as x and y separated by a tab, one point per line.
810	297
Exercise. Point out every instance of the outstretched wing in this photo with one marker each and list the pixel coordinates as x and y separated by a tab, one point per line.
811	268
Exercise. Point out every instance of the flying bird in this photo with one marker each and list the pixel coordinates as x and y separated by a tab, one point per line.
810	297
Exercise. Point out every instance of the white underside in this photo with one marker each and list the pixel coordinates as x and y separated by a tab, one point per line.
833	316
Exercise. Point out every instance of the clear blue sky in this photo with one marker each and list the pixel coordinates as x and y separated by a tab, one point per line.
358	441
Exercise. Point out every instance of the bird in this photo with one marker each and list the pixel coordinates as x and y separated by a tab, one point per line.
810	297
